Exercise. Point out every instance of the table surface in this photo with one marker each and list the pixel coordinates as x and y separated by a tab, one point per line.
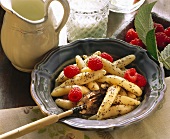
15	85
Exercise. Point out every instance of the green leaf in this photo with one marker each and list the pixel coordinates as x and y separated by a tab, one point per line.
143	21
151	43
165	57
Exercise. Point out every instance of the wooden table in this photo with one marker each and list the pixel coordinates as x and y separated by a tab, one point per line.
15	85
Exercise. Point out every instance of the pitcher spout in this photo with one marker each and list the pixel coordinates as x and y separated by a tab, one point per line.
31	11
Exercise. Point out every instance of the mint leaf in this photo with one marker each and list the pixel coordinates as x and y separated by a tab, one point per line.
151	43
143	21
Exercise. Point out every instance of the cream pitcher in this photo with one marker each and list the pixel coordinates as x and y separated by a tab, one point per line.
28	32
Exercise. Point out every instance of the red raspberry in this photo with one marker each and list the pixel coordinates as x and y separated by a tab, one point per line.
75	94
158	27
107	56
131	35
167	31
141	80
130	75
168	40
138	42
95	63
161	40
71	70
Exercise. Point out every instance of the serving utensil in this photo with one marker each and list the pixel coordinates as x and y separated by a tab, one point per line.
23	130
87	104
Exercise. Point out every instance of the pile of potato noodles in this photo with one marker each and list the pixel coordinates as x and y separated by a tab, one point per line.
121	96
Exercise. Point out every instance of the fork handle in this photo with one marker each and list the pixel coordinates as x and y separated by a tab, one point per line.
23	130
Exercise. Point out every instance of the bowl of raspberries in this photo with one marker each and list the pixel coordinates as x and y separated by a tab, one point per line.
118	84
162	33
162	36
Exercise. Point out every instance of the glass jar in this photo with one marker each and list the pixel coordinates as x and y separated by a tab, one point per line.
88	19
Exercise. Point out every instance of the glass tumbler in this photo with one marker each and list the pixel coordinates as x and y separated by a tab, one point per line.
88	19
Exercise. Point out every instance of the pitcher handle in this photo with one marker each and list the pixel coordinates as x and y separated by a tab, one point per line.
66	8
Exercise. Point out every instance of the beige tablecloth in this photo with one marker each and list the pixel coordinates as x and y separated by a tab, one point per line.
156	126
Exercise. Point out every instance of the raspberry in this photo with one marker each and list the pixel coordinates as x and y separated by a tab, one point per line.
130	75
141	80
131	35
161	40
95	63
167	31
158	27
138	42
107	56
71	70
134	77
168	40
75	94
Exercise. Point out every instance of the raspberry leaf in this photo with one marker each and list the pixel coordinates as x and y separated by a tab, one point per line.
151	43
143	21
165	57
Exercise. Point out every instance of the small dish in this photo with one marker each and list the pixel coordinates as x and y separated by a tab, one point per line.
46	71
119	6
